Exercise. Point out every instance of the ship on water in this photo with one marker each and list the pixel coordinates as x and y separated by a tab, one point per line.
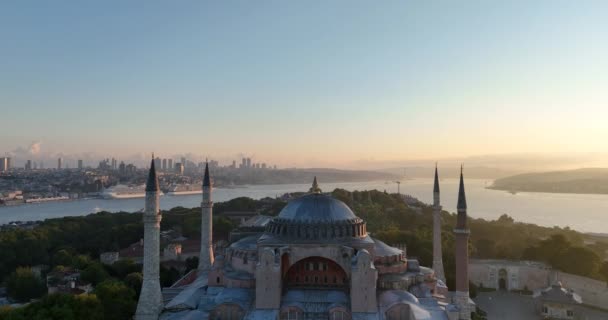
122	191
184	189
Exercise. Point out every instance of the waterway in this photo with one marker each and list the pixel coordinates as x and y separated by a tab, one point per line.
582	212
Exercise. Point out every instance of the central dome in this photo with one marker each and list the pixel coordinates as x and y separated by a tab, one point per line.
316	217
317	208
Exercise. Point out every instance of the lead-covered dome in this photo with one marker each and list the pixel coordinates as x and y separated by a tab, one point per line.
317	207
316	216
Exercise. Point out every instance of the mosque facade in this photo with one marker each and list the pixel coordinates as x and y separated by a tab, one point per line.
315	260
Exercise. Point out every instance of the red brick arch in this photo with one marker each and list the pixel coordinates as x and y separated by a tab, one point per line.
316	272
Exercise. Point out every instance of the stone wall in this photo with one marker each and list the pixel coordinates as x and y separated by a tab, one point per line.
517	275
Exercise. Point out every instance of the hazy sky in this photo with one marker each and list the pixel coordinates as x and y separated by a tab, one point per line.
304	82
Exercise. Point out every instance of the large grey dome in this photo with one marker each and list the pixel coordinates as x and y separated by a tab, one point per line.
316	208
315	217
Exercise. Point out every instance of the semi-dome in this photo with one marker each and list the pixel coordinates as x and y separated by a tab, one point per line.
318	208
315	217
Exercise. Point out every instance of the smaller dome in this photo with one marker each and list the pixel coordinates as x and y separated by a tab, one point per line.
317	207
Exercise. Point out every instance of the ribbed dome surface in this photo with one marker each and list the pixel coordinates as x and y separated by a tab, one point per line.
315	217
316	207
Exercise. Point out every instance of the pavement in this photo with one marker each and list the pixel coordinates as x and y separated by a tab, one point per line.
504	305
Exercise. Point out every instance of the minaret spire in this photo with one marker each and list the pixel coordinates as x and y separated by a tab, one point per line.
437	250
462	199
461	235
150	300
205	259
315	186
436	184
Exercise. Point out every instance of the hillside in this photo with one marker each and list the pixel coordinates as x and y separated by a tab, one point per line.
589	180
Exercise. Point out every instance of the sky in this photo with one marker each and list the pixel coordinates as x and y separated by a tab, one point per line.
303	83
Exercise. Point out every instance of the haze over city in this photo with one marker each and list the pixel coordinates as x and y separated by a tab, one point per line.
330	84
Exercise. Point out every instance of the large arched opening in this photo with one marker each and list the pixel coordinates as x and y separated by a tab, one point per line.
316	273
502	279
400	311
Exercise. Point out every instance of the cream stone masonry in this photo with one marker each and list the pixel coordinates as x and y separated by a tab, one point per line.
150	301
205	260
437	251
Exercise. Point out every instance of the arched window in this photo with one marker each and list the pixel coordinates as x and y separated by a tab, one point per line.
291	313
398	312
339	315
227	311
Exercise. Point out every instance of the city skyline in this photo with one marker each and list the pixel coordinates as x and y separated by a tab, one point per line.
314	84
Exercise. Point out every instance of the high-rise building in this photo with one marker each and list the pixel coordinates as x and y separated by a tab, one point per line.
9	165
80	164
179	168
157	162
170	164
244	163
233	164
4	164
59	163
184	162
248	162
164	164
28	165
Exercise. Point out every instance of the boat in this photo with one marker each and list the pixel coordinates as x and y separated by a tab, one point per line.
122	191
38	200
184	189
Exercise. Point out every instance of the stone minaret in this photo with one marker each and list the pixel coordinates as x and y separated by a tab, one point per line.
205	259
461	235
437	252
150	300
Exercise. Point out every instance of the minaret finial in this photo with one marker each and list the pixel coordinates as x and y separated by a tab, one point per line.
315	186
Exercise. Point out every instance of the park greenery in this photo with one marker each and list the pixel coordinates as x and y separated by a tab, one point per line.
76	242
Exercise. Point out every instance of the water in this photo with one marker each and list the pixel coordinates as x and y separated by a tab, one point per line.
581	212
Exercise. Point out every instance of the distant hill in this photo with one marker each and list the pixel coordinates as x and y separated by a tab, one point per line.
589	180
293	175
476	172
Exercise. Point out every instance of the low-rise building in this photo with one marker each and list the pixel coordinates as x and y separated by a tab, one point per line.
67	281
557	302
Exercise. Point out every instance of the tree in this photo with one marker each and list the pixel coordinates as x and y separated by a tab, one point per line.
117	299
63	257
485	248
23	285
168	276
122	268
604	270
134	281
94	273
58	307
222	226
191	263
